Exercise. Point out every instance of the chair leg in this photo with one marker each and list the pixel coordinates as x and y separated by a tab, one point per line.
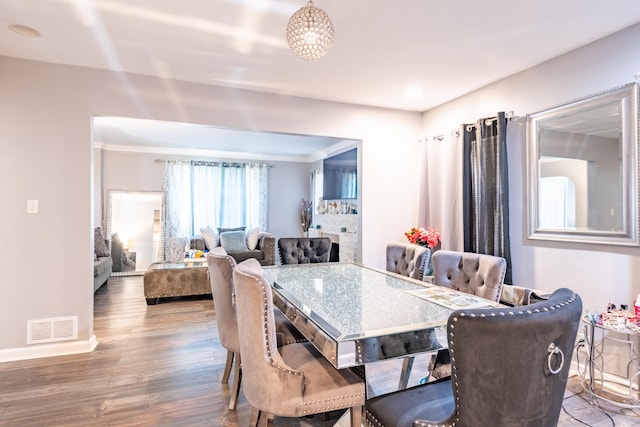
264	419
237	378
356	416
407	365
432	365
255	416
227	367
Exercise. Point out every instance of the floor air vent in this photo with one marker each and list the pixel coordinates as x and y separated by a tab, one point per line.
50	330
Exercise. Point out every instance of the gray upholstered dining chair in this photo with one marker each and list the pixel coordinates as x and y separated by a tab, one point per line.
509	368
221	266
468	272
294	380
407	259
304	250
472	273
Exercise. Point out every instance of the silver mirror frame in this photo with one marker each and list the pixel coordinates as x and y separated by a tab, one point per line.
627	96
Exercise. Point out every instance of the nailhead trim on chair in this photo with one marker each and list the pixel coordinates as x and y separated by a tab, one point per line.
191	294
418	423
265	314
356	401
232	265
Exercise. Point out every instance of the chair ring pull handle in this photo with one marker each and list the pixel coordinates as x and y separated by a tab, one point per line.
553	349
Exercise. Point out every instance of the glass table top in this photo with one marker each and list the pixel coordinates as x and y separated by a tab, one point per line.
176	265
351	301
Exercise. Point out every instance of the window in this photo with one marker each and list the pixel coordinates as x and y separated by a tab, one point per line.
214	194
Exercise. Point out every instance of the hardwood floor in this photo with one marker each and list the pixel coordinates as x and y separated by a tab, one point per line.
161	366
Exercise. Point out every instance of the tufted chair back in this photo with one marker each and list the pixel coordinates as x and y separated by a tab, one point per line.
510	368
304	250
289	381
407	259
468	272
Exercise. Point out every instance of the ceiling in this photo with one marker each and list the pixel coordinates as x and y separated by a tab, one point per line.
171	138
409	54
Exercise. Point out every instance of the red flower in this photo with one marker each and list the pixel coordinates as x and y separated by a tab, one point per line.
420	236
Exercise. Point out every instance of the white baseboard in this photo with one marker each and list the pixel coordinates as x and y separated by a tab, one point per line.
48	350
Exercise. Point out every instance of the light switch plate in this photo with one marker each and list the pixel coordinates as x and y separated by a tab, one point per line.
32	206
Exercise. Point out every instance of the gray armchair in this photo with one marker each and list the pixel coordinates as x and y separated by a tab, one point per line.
304	250
510	368
294	380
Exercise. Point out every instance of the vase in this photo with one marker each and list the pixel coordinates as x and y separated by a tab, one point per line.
429	269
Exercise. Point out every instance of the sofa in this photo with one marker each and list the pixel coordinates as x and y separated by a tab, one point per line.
264	252
101	271
123	260
102	262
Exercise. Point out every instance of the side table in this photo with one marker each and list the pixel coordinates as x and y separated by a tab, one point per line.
620	390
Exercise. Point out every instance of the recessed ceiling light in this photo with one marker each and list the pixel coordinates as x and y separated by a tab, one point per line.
24	30
413	93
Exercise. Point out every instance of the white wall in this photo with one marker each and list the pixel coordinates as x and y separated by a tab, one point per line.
598	273
46	154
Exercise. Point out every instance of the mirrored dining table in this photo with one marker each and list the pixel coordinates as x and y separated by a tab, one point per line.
354	314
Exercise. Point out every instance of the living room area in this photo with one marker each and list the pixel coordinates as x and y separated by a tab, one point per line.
289	166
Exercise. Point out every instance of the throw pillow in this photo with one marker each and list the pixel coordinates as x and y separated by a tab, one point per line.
210	237
234	241
253	236
99	243
222	230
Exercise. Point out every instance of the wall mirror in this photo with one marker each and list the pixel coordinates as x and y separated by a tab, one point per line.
134	230
582	160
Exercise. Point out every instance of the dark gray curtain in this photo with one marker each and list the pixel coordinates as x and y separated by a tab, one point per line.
486	189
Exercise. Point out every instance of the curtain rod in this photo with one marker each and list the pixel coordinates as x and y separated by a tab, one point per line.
215	163
456	132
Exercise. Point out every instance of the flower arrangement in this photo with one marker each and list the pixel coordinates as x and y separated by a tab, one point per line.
420	236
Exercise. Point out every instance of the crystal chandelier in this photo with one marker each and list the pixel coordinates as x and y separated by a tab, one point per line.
310	32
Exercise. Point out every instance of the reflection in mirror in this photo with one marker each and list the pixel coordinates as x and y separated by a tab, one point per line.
134	228
583	169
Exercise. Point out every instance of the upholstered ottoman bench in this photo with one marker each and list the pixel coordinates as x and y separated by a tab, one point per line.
175	279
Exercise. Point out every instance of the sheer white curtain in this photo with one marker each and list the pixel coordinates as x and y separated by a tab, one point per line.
347	182
176	184
256	195
207	183
200	194
441	191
